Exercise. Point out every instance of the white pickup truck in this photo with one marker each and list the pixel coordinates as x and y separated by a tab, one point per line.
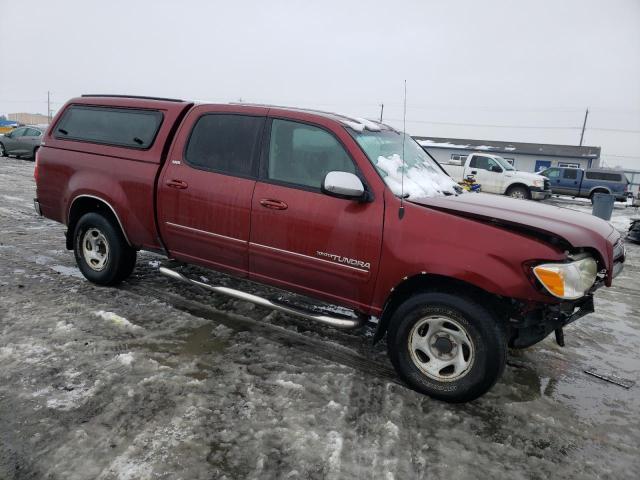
496	175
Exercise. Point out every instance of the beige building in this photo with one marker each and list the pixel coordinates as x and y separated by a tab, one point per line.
29	118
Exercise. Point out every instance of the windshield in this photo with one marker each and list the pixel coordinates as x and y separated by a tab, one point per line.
506	165
422	175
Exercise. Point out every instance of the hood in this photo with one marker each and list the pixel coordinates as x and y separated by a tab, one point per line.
528	175
579	230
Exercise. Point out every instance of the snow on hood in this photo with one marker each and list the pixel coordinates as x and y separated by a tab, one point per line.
420	180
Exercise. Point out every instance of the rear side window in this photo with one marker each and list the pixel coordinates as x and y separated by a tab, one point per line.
302	154
123	127
570	174
605	176
225	144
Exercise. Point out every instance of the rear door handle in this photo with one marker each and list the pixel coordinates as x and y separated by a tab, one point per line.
177	184
273	204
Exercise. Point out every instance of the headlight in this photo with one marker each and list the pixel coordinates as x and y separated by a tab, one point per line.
538	183
568	280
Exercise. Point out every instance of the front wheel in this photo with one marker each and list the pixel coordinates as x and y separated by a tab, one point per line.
519	192
448	347
102	253
3	152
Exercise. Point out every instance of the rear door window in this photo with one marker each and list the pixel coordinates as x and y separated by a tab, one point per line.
124	127
301	154
570	174
225	143
32	132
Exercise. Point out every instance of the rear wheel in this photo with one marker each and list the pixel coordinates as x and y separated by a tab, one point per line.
33	154
448	347
101	251
519	191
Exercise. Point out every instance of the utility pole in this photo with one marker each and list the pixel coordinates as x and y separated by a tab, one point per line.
49	106
584	124
381	111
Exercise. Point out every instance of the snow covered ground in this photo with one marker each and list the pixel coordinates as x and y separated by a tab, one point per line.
158	380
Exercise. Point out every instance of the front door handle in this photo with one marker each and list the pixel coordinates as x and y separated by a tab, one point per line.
273	204
177	184
474	172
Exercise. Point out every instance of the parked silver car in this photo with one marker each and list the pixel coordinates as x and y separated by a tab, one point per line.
21	142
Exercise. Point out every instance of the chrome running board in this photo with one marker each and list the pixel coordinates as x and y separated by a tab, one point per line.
337	322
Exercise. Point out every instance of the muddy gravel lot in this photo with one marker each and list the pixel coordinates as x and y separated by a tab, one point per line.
159	380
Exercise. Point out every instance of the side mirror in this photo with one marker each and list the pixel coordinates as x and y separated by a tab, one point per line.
343	185
496	168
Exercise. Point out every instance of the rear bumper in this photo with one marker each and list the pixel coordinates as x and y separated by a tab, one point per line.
36	206
538	193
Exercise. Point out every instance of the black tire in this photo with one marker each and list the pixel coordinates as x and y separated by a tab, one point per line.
119	258
519	191
33	154
486	358
3	152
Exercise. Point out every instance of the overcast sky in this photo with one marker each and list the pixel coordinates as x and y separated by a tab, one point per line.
488	69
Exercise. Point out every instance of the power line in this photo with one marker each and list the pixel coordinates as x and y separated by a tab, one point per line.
484	125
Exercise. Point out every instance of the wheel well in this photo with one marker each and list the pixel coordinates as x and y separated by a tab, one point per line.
599	190
82	205
429	282
515	185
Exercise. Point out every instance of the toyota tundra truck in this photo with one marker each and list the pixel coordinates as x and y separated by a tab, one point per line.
342	210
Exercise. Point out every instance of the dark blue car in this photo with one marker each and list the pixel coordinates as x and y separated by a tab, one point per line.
586	183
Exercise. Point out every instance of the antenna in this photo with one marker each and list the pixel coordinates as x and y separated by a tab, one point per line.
404	136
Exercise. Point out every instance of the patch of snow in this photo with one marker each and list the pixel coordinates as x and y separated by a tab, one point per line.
369	125
334	449
115	318
62	326
125	358
431	143
420	181
509	149
288	384
484	147
358	127
154	263
69	399
392	429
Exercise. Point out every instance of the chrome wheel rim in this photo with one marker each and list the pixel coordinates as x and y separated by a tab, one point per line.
95	249
517	194
441	348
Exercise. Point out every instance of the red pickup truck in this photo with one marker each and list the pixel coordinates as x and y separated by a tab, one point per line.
340	209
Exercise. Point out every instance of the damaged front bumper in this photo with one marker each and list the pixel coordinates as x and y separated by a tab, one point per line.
539	323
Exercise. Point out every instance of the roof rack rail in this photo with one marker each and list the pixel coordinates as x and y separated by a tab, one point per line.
132	96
